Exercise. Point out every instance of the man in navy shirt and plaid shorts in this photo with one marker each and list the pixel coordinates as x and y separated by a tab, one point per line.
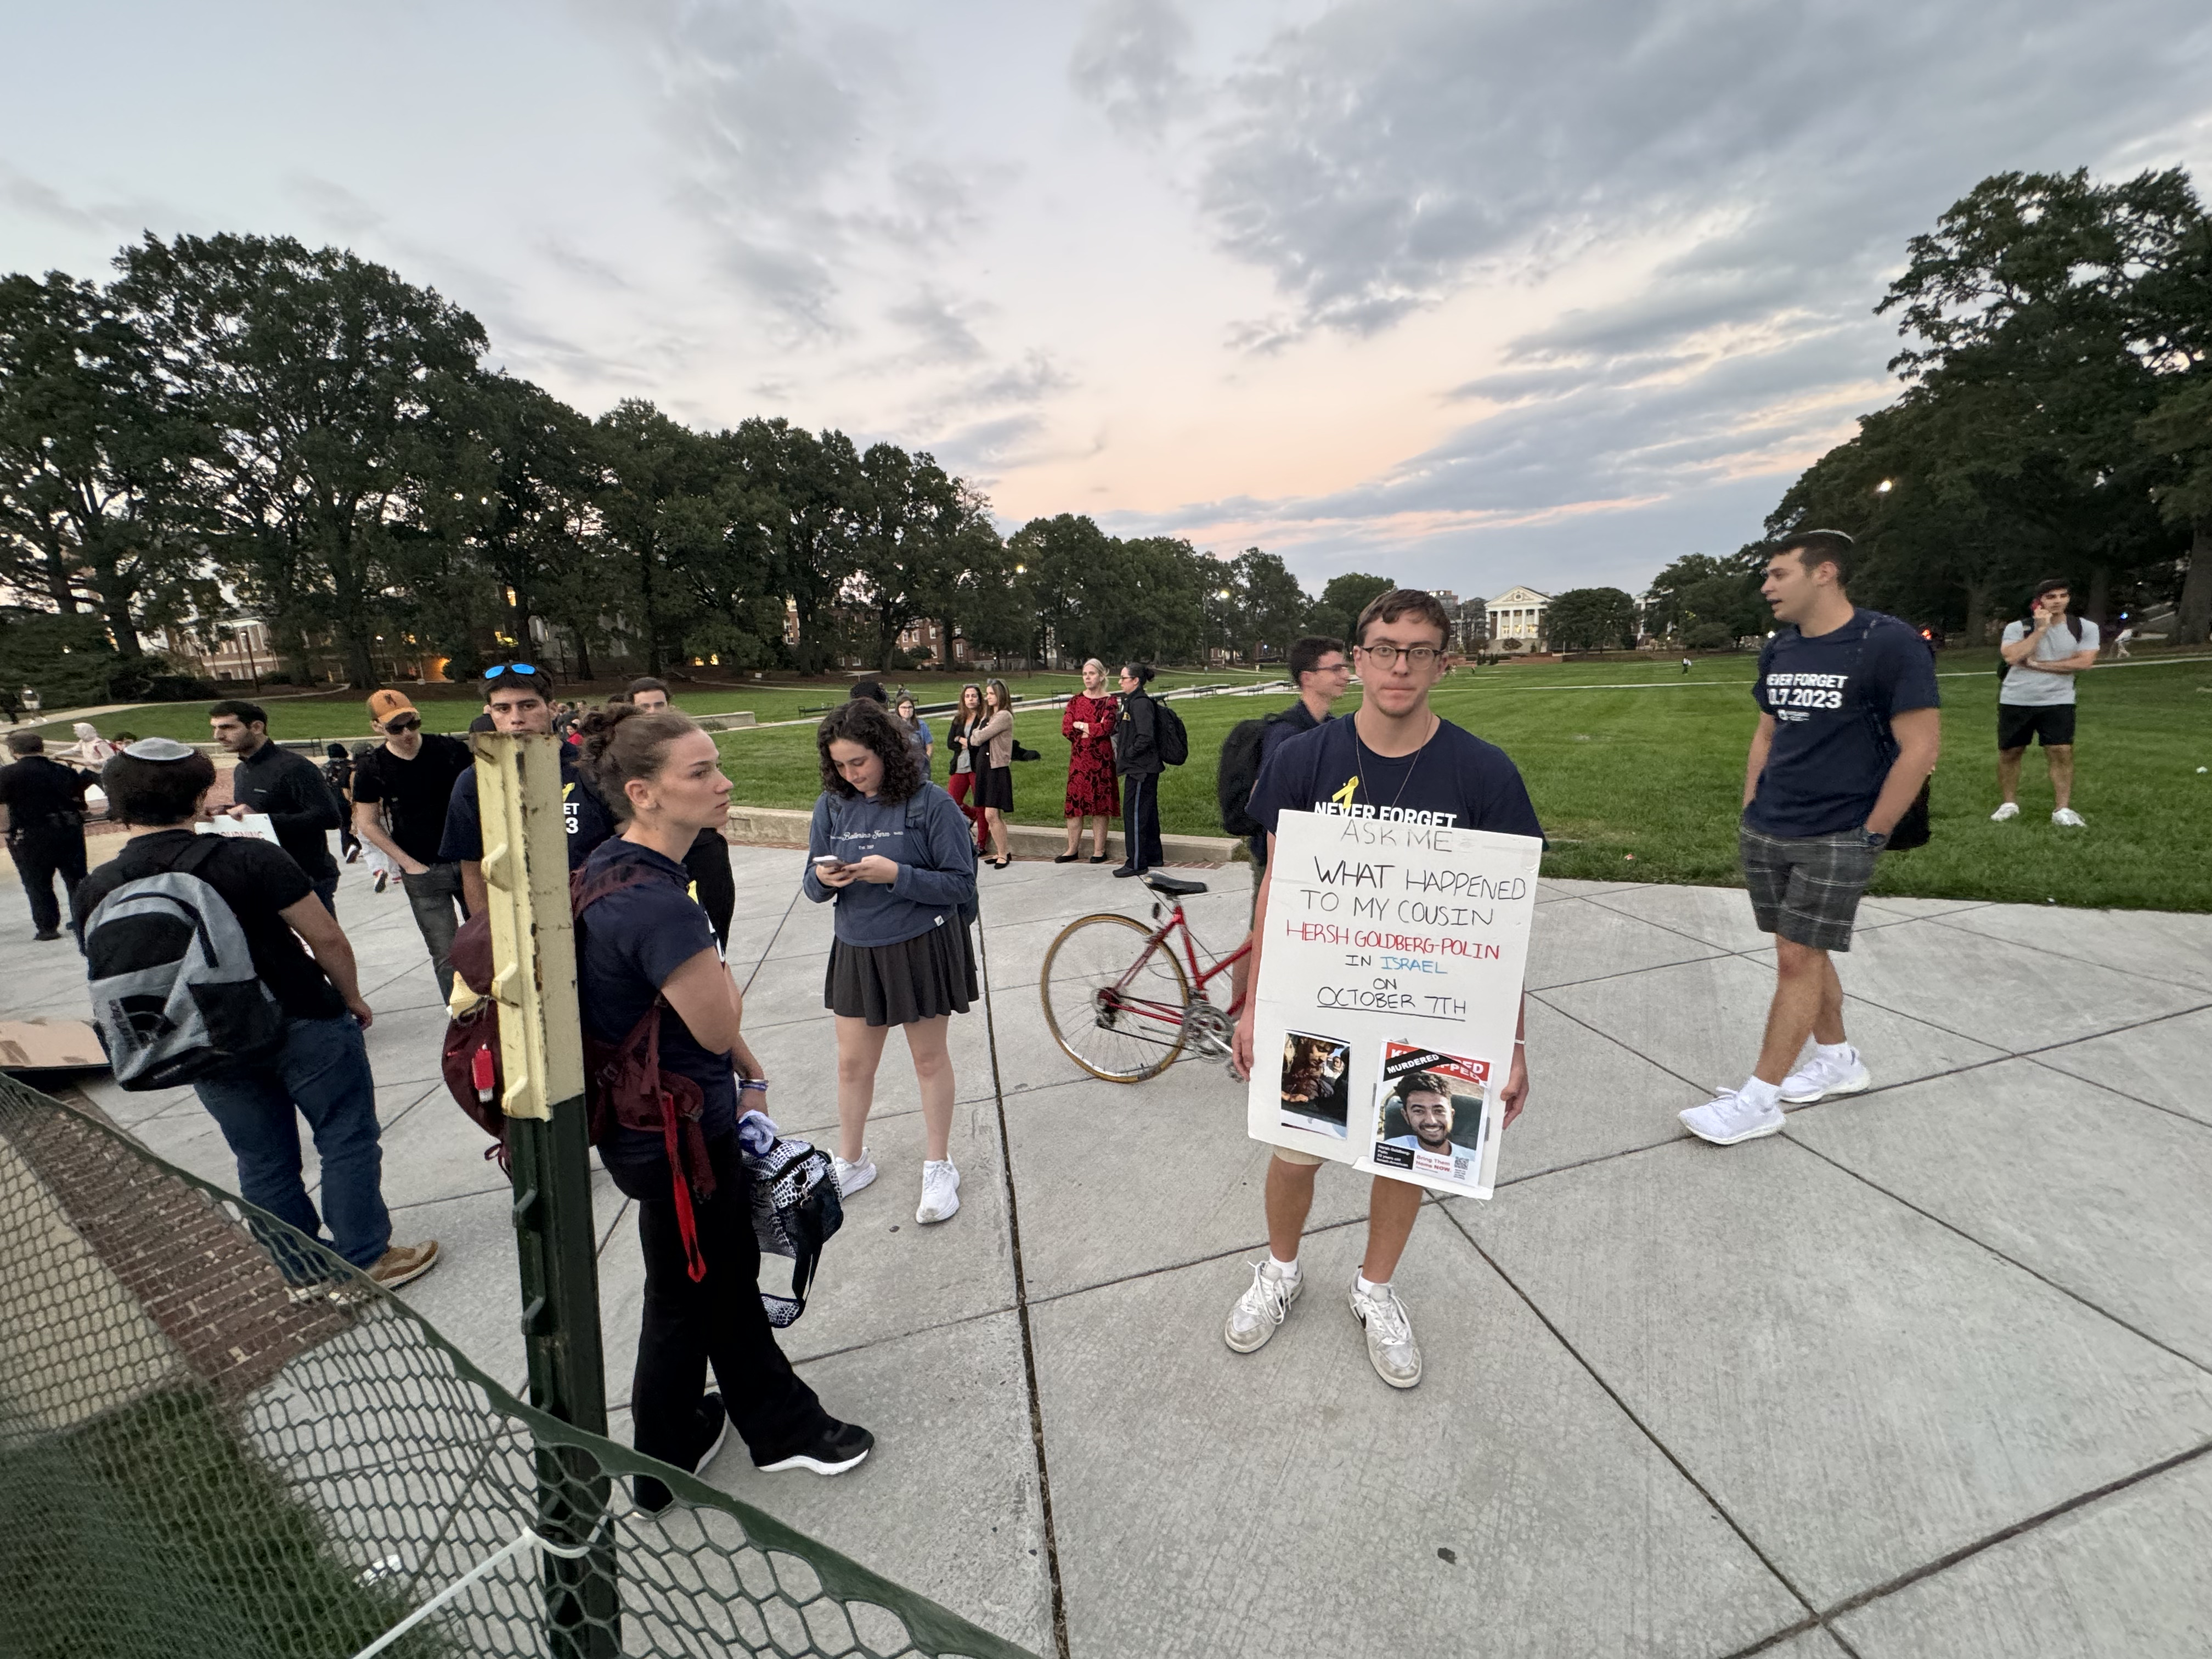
1848	732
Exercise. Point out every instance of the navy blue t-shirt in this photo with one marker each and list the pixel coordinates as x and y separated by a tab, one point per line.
627	945
1832	696
589	821
1456	780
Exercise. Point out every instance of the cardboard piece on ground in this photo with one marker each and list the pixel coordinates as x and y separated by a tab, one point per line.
49	1045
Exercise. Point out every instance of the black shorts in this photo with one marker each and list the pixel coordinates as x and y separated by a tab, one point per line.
2049	723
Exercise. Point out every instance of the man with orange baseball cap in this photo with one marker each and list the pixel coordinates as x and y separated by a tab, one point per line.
400	792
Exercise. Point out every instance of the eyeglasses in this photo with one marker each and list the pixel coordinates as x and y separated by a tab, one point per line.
494	671
403	725
1416	656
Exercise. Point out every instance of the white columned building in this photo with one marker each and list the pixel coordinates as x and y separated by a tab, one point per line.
1518	614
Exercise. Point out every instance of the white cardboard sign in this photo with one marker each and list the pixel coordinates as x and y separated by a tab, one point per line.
1388	992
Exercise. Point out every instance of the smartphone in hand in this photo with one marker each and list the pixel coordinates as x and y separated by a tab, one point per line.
829	863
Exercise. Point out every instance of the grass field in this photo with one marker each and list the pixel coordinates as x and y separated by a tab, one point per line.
1641	783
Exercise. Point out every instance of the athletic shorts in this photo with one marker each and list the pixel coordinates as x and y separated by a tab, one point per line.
2048	723
1290	1155
1806	888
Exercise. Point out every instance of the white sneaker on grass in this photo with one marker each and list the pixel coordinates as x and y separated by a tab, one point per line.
1390	1345
1728	1117
2067	818
2006	813
1260	1312
940	1191
1824	1075
851	1177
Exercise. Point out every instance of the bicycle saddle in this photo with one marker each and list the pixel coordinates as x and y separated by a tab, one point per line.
1173	885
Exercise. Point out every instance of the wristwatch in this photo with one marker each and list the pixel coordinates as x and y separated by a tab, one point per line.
1876	840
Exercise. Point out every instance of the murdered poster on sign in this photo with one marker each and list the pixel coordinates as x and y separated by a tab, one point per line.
1389	992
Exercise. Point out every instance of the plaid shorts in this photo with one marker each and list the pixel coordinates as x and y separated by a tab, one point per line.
1806	888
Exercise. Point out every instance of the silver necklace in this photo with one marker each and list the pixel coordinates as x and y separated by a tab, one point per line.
1436	726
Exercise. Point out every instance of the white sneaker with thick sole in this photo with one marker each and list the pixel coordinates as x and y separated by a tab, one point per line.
940	1191
1728	1117
2067	818
1260	1312
1821	1076
1390	1345
851	1177
2006	813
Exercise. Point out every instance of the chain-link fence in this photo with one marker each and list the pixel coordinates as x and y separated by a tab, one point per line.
206	1453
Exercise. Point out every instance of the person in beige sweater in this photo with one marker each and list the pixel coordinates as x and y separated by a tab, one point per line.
992	745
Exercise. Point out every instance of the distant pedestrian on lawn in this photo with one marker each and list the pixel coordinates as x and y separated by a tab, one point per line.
401	790
993	745
708	859
890	850
967	759
519	702
319	1071
2120	642
1394	754
301	807
338	772
1137	758
42	813
1848	732
1087	723
2036	700
642	939
1686	665
917	732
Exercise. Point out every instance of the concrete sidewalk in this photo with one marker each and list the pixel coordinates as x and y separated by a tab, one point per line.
1929	1374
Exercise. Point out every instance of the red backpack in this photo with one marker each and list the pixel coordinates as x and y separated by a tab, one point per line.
624	1084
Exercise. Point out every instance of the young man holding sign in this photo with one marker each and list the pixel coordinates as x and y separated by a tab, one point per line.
1393	760
1848	732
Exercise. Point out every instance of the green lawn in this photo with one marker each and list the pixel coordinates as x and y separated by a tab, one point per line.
1641	784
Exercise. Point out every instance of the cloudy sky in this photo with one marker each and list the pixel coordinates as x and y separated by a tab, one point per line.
1466	294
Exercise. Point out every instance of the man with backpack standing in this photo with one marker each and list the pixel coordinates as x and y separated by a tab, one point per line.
1848	732
1321	671
289	788
42	811
409	780
2035	699
212	960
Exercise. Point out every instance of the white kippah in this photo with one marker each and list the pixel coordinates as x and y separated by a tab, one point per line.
160	749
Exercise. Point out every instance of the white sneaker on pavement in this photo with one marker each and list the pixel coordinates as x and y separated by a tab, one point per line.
1390	1346
851	1177
1824	1075
940	1191
2006	813
1728	1117
1260	1312
2067	818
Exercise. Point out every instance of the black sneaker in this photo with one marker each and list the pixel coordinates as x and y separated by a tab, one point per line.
653	1495
836	1449
45	934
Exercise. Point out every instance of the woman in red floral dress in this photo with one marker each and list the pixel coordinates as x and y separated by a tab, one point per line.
1092	790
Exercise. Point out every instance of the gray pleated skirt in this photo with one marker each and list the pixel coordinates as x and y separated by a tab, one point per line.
920	978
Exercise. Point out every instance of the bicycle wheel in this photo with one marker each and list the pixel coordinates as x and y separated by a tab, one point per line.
1115	1001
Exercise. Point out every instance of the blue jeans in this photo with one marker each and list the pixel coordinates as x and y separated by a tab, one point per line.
322	1074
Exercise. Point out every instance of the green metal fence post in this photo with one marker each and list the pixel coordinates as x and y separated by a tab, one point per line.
525	865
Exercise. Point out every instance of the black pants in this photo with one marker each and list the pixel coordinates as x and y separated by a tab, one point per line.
719	1320
1140	819
40	854
707	863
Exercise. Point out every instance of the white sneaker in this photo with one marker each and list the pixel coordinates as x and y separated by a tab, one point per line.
851	1177
1390	1346
1728	1117
1261	1309
1821	1076
2067	818
2006	813
940	1191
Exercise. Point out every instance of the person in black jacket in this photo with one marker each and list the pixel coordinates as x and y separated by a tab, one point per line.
289	788
1137	758
42	810
708	860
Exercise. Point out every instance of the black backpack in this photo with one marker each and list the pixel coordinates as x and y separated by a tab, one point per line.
1168	736
1238	771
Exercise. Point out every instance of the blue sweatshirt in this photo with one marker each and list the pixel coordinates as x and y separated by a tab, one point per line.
927	837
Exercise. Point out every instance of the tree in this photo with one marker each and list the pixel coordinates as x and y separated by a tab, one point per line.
1341	601
2181	427
1719	596
1268	606
1591	619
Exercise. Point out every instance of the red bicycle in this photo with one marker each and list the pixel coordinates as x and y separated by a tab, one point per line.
1121	1004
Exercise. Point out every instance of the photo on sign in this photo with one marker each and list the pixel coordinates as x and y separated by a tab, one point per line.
1316	1083
1428	1112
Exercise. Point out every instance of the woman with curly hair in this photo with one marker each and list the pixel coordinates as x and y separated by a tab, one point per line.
644	941
892	851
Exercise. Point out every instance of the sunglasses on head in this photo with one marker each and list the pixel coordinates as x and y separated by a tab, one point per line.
510	668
